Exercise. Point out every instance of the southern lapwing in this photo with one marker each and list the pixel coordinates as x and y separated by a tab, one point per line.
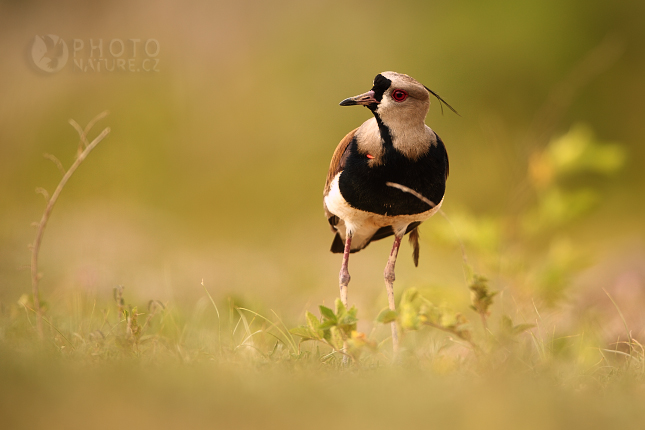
395	147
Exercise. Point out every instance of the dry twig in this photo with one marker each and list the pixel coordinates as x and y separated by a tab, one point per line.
87	148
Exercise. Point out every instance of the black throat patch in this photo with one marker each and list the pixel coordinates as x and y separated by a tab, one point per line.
384	130
381	84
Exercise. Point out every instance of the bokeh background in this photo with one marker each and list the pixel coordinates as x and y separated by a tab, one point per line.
214	170
215	164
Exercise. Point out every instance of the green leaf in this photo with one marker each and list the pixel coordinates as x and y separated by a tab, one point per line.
326	325
409	295
327	313
314	325
506	323
578	151
347	319
481	298
336	338
353	312
327	334
312	321
302	331
347	327
409	318
449	320
386	316
340	308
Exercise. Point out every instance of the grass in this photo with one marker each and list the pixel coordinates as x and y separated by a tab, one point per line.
109	364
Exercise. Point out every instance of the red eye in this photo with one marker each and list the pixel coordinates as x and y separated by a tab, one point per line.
399	95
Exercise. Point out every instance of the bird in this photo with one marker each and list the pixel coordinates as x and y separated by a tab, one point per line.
387	176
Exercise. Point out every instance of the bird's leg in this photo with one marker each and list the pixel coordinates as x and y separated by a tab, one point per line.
388	274
343	276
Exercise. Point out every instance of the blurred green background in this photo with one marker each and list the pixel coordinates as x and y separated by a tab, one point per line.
215	164
214	170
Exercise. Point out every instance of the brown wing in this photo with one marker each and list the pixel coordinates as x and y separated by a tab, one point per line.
338	159
337	165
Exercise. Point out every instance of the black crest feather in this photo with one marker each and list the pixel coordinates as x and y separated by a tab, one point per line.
441	101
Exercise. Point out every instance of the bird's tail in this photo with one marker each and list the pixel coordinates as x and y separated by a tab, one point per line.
414	241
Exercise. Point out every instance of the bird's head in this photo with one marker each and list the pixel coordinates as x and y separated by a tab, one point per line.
395	95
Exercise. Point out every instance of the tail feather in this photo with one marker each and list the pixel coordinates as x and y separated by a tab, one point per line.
337	246
414	241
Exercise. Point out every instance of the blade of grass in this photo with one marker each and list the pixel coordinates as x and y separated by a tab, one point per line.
247	327
235	328
288	338
59	332
293	341
618	352
247	338
622	317
219	321
50	325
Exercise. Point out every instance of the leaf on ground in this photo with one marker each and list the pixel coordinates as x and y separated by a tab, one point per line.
326	325
386	316
336	339
312	321
302	331
353	312
327	313
341	309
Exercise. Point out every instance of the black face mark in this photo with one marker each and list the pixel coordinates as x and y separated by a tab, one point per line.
381	84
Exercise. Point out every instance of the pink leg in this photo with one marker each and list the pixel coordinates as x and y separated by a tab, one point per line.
388	274
343	276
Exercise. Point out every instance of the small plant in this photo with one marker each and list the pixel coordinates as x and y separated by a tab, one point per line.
481	298
118	298
134	333
336	329
415	311
508	330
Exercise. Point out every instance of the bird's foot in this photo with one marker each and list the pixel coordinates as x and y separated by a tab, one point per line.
389	276
344	282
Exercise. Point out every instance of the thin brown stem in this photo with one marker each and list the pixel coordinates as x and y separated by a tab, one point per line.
35	276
